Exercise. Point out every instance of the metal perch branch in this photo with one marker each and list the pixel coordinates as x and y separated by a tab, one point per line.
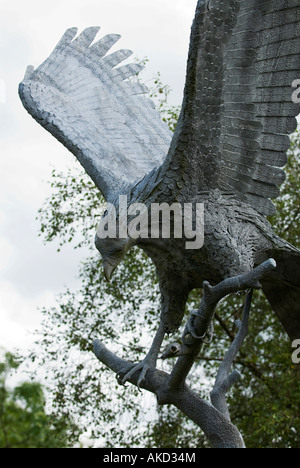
226	154
213	418
225	379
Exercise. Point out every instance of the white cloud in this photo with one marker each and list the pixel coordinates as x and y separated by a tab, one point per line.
18	317
7	252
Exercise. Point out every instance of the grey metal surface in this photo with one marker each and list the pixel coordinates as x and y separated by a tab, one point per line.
227	152
86	101
238	110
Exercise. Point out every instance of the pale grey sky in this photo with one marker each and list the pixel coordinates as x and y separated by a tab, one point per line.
31	273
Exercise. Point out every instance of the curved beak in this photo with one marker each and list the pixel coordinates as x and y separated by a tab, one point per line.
108	270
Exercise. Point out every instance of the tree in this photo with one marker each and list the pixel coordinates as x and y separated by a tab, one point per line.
23	420
263	405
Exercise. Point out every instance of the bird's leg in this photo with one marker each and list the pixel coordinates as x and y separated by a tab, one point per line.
149	361
199	328
207	329
200	325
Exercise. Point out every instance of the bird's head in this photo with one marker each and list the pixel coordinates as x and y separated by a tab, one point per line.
112	240
116	234
113	252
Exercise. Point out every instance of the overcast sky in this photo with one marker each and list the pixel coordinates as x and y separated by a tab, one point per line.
31	274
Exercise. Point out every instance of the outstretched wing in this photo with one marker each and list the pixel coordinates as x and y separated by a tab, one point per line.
80	96
237	112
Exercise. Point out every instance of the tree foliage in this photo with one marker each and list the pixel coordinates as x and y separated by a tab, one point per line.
23	420
124	314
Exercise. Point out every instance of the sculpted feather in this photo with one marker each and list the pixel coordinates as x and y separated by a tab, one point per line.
227	151
84	99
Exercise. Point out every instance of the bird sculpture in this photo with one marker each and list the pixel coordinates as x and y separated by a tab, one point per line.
227	152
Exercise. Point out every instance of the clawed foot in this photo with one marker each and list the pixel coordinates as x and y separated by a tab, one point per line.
149	362
127	373
190	331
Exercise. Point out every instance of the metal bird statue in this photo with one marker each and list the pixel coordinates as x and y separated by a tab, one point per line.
229	145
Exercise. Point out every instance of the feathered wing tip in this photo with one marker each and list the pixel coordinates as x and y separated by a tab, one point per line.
83	96
282	290
238	109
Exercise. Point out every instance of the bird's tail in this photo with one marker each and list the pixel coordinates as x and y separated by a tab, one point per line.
282	289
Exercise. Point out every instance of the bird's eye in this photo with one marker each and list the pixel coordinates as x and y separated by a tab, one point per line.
113	251
208	5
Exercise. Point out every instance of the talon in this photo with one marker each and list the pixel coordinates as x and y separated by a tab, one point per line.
120	376
125	374
149	362
190	332
256	285
142	376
